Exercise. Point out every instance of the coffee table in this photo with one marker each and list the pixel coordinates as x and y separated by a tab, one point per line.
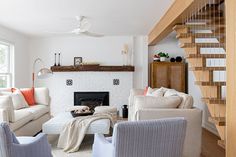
57	124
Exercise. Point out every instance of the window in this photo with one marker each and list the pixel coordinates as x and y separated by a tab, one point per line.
6	68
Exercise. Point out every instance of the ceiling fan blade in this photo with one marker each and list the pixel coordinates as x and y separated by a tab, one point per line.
52	32
91	34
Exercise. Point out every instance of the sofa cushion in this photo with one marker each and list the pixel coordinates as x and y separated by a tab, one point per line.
42	96
157	102
18	99
38	110
6	104
22	117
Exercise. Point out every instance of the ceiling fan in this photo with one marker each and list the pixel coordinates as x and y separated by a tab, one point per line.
82	28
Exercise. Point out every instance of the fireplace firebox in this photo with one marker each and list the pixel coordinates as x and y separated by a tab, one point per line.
91	99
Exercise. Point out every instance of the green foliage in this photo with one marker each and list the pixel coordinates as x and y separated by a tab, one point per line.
162	54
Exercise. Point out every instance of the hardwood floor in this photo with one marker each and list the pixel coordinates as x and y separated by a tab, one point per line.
209	145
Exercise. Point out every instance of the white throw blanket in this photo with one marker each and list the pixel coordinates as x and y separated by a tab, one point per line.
73	134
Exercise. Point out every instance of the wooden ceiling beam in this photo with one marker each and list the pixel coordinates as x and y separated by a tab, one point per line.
179	10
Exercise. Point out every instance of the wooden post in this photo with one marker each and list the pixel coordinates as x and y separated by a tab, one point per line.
231	78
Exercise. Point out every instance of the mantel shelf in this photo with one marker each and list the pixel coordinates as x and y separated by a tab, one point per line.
92	68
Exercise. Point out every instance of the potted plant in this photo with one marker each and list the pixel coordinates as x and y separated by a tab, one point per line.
156	58
163	56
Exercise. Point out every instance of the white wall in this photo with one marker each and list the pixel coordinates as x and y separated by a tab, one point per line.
21	56
170	45
141	62
106	51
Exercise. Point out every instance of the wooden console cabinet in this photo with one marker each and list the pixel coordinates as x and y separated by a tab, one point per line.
168	74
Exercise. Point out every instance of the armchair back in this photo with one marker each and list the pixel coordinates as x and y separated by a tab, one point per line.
162	138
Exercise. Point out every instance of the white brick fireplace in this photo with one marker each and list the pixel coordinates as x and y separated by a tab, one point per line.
62	95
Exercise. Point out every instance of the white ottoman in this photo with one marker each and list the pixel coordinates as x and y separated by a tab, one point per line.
57	124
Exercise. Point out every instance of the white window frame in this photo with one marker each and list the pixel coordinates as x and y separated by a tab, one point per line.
10	58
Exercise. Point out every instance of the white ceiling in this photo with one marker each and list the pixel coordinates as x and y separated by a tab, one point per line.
109	17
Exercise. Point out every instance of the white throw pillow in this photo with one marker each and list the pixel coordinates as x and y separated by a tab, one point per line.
171	92
155	92
18	99
72	108
41	96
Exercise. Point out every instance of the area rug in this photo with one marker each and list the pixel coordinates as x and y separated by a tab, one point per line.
84	151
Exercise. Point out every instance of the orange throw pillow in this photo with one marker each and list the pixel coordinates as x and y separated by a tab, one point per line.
145	91
28	94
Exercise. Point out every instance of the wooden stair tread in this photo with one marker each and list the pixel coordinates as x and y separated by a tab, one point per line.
208	18
207	68
205	56
214	101
211	14
220	121
221	143
204	25
203	45
202	83
210	11
200	35
176	27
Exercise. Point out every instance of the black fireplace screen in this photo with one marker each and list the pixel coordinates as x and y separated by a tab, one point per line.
91	98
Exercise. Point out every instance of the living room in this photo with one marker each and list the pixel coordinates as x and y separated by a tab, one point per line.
74	73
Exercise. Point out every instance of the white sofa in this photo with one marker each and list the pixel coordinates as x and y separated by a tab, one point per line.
27	121
139	109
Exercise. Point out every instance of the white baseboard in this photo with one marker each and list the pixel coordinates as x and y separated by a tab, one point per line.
210	128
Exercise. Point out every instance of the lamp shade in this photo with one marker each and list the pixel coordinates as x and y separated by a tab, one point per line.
44	73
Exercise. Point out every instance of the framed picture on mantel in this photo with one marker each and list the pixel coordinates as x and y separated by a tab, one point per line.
78	61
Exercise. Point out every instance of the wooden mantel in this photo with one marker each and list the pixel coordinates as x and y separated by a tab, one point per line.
178	11
92	68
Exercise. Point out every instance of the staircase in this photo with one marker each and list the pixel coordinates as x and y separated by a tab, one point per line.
202	36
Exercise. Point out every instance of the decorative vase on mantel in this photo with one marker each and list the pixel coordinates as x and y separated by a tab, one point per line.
126	56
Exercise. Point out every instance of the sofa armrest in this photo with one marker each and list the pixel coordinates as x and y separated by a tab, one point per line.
7	105
4	116
38	147
134	92
194	125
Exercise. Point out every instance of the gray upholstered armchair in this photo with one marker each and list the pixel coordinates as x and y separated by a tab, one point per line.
10	146
155	138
